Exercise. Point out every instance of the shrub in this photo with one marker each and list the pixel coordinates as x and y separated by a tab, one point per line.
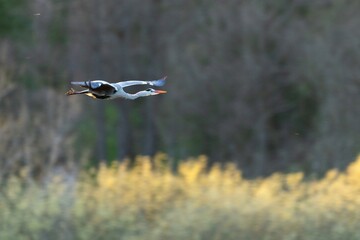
149	201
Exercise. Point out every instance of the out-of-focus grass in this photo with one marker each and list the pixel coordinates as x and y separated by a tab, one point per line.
148	201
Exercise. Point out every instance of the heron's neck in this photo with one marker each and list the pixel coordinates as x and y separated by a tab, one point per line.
137	95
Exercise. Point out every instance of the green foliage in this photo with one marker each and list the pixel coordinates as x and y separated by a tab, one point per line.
85	135
13	18
135	114
28	81
301	114
111	113
57	34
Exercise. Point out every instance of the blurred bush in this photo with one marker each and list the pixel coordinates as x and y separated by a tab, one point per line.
148	201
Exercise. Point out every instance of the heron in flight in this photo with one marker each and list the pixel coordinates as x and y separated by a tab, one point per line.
101	89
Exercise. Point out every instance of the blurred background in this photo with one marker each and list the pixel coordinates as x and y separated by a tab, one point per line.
267	85
253	140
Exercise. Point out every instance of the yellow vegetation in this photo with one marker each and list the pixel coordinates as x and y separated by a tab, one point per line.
148	201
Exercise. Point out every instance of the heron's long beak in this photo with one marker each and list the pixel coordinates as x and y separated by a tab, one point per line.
160	91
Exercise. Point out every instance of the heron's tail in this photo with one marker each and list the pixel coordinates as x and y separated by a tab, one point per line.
159	83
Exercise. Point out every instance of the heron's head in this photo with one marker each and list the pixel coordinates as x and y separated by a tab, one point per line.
151	91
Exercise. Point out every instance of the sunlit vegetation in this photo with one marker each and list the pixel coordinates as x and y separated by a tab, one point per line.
149	201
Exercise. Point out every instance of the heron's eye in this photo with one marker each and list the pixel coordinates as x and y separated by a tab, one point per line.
149	89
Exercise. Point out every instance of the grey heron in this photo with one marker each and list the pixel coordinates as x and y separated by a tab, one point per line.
101	89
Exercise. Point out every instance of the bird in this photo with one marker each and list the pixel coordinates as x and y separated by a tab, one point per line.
100	89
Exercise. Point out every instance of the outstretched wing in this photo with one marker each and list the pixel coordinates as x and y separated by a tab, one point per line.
157	83
98	87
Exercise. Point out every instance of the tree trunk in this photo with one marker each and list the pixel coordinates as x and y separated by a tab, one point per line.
150	145
125	139
98	72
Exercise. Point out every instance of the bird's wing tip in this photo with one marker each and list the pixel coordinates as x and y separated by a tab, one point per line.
160	82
